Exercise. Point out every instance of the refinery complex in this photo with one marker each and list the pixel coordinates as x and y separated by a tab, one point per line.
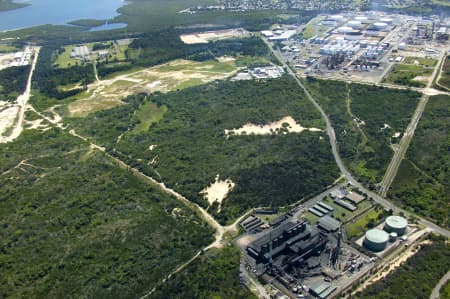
359	46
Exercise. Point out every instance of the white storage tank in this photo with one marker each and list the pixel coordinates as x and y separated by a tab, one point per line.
362	19
380	25
386	20
393	237
336	18
376	240
402	46
354	24
396	224
344	29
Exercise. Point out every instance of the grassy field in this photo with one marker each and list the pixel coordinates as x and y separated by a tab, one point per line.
357	227
365	119
74	222
192	147
150	113
175	75
422	183
409	75
7	48
420	61
416	277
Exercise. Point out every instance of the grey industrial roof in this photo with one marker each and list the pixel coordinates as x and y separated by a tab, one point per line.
329	223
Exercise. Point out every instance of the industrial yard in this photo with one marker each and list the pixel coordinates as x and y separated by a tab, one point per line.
304	252
364	47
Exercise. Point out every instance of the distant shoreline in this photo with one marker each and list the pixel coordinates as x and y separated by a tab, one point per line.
6	5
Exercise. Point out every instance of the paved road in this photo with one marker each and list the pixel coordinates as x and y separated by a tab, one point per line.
332	136
397	159
441	283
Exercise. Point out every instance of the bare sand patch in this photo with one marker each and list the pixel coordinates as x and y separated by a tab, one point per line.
106	94
217	191
285	125
152	147
8	115
205	37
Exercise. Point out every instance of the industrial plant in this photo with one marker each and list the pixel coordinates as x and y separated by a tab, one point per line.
362	46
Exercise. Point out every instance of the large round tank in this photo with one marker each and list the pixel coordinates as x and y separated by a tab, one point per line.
354	24
362	19
386	20
376	240
336	17
345	29
380	25
396	224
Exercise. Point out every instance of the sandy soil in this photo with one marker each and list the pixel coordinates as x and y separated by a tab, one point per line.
8	115
272	128
152	147
106	94
218	191
205	37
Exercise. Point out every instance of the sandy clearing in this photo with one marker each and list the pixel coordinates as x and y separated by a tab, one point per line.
7	119
286	122
205	37
152	147
106	94
217	191
397	134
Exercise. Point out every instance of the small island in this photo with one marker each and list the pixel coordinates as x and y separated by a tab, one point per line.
11	5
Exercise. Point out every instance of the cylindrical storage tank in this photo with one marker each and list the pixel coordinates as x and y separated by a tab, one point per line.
376	240
336	17
396	224
345	29
386	20
354	24
380	25
362	19
393	236
354	36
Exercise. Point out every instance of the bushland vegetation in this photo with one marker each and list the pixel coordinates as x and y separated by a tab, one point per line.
365	119
417	277
13	82
73	222
423	181
215	274
192	148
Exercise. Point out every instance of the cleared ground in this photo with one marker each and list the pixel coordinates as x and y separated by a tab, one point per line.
205	37
171	76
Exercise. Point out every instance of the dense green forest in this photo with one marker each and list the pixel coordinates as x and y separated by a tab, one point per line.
73	222
215	274
423	181
192	147
417	277
13	82
365	118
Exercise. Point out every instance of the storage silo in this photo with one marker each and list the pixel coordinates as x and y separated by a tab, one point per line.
376	240
396	224
354	24
344	29
380	25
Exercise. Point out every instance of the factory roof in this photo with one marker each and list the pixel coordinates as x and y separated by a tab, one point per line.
328	223
355	197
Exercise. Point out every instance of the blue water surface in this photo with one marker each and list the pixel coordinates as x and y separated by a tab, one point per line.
59	12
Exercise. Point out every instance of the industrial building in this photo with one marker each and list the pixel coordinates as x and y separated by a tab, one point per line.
329	224
80	52
354	198
289	244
